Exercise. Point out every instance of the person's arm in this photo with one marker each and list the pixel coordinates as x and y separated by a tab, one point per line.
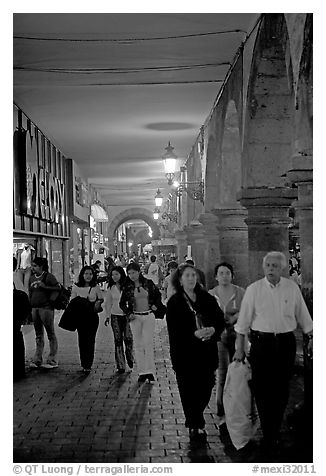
99	294
243	323
49	284
239	354
156	297
73	292
108	306
124	303
216	322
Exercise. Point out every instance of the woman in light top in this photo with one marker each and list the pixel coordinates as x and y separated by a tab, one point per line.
119	322
229	297
86	288
140	297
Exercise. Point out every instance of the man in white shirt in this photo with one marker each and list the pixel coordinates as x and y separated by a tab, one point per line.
271	309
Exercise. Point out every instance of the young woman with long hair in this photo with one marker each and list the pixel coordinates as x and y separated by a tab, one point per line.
88	321
140	297
119	322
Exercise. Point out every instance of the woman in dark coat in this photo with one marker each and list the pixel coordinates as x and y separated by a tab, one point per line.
195	323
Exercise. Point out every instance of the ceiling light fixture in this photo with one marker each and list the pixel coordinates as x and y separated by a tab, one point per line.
170	161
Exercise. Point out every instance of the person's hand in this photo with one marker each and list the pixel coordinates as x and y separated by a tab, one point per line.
153	307
131	317
204	333
107	321
239	355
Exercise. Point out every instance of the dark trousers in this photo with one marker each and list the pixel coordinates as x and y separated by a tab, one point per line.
195	392
18	353
122	335
272	362
87	330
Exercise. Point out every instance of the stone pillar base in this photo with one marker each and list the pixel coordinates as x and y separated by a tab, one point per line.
268	221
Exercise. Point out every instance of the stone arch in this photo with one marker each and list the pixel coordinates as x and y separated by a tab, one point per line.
229	167
268	136
133	213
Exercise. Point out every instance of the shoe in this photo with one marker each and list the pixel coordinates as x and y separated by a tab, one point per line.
142	378
197	434
120	371
33	365
49	366
150	377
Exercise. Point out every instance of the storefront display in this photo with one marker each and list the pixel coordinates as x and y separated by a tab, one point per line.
40	204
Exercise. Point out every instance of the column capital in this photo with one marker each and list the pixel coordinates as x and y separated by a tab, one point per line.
268	197
302	169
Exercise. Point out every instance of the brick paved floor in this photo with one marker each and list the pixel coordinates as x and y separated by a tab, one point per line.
61	415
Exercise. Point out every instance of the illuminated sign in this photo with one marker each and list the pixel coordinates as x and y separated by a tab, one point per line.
42	194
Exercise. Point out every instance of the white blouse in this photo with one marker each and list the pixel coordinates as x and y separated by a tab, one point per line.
112	302
86	292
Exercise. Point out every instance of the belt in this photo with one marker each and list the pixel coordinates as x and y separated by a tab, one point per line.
269	334
143	313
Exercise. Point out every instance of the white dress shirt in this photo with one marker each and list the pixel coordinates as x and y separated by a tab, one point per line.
269	308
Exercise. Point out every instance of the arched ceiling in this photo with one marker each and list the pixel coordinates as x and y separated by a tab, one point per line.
110	94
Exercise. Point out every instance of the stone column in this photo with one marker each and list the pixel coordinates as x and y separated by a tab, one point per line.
304	213
234	241
211	246
301	175
268	221
195	233
181	237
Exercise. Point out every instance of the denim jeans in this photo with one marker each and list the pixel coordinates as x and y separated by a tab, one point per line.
44	318
143	328
122	335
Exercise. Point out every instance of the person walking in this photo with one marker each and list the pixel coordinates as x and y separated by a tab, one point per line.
229	297
168	289
154	271
119	322
21	308
139	298
88	321
271	309
41	285
195	323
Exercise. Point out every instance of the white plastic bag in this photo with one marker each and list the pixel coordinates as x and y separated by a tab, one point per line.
240	411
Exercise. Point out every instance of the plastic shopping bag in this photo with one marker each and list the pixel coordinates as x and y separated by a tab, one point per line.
241	416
